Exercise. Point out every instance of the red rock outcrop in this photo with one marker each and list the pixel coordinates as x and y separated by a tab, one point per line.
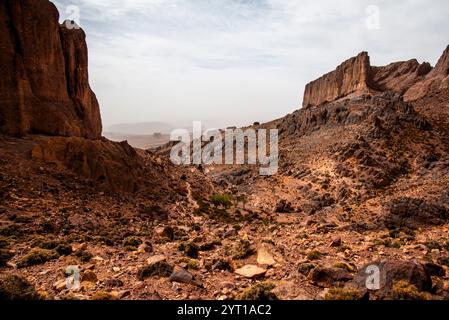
356	77
109	165
44	85
435	80
352	76
398	76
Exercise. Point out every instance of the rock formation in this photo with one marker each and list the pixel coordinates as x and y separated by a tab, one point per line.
435	80
44	86
356	77
350	77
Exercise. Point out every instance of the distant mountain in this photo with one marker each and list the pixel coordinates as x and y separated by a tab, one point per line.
144	128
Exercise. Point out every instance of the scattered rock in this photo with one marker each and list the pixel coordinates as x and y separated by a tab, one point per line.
60	285
329	277
156	259
183	276
391	271
337	242
434	269
251	272
144	248
264	257
89	276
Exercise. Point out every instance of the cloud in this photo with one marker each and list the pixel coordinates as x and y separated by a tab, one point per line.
238	60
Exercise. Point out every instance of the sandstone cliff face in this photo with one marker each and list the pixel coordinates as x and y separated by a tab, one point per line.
353	76
44	84
356	77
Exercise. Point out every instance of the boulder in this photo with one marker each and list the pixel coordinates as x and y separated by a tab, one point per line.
390	272
329	277
251	271
183	276
264	257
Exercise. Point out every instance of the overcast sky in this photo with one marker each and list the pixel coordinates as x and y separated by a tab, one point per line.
238	61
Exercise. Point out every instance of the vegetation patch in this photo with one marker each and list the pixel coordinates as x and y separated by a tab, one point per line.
221	200
343	294
14	287
158	269
37	256
403	290
243	249
259	292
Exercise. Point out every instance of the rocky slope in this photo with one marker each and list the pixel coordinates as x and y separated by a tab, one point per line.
363	181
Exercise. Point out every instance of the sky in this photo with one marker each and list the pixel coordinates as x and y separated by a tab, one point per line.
234	62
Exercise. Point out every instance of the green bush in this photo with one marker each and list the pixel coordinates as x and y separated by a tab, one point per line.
221	200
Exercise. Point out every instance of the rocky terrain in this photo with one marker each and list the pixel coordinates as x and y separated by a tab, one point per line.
363	181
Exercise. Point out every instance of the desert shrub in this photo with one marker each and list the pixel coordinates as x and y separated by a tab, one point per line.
314	255
132	241
432	244
64	249
259	292
37	256
221	200
243	249
343	265
159	269
305	268
343	294
83	255
5	256
190	249
403	290
14	287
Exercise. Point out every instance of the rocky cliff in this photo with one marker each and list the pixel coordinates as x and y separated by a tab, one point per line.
356	77
44	85
352	76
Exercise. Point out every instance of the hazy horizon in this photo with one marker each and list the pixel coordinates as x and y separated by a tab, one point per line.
235	62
